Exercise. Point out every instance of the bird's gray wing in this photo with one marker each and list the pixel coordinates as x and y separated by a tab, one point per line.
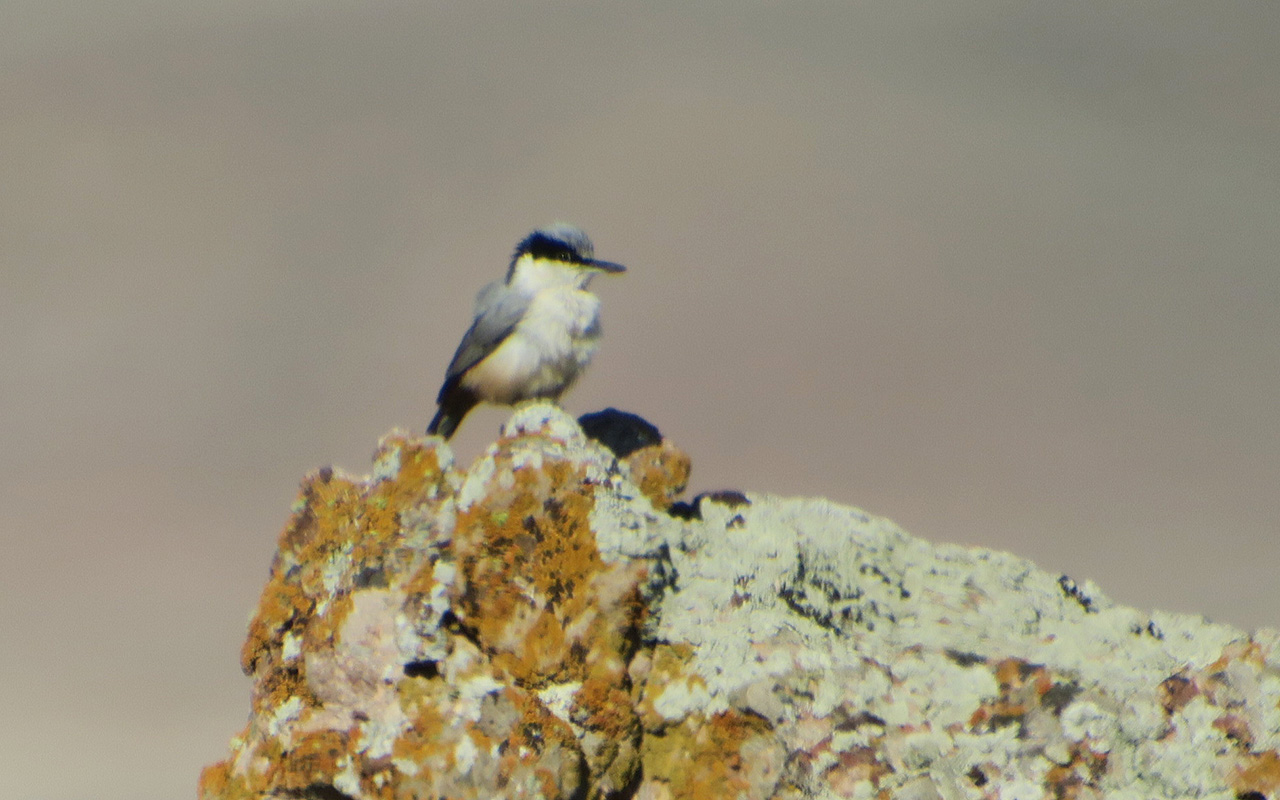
498	311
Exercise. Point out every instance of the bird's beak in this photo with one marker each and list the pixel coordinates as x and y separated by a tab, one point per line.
606	266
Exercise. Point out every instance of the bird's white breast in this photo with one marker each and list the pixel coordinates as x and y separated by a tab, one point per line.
550	346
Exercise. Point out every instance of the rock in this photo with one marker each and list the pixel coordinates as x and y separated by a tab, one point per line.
538	626
659	469
622	432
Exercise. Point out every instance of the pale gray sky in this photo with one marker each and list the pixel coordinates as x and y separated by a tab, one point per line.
1004	272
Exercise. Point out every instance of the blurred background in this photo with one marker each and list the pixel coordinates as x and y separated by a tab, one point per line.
1004	272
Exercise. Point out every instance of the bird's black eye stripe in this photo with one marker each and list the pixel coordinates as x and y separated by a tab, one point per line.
540	246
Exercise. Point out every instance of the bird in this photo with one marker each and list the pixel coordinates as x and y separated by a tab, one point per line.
534	331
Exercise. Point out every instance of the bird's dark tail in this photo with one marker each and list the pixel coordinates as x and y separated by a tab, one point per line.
443	424
455	403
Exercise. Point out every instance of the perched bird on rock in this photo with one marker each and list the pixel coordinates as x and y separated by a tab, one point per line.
534	331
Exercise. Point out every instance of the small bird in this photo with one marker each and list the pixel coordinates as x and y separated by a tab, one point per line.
534	331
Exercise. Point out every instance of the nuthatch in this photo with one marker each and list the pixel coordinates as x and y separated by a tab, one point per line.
534	331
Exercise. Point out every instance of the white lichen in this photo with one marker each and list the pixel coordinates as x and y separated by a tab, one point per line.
387	466
291	646
286	712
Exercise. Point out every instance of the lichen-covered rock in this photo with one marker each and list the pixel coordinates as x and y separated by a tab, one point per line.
536	627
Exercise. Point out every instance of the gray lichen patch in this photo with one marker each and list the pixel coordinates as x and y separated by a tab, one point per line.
971	662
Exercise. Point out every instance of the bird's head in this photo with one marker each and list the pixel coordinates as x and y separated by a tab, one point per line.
556	255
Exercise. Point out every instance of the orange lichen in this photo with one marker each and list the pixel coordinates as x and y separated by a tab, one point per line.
515	739
704	757
533	593
534	584
422	702
279	608
602	706
1026	688
320	527
1235	728
853	766
275	686
217	783
343	535
355	521
605	706
1239	650
1022	684
313	760
1014	673
538	729
339	526
423	580
1176	691
321	631
661	472
419	475
1079	776
1258	774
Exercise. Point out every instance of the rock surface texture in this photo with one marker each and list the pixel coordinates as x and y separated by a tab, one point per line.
534	627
